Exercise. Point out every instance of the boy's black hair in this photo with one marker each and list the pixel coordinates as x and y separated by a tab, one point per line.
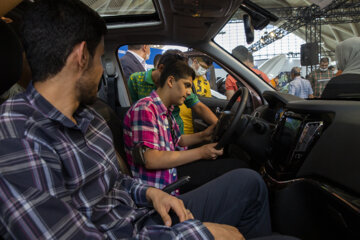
178	69
171	56
52	28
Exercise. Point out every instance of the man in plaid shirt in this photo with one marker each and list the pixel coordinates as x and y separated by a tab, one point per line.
58	173
320	77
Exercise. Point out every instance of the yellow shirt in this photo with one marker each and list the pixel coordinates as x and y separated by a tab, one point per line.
202	88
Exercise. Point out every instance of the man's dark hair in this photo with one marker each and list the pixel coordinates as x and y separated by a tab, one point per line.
295	71
178	69
135	47
52	28
250	57
324	60
241	53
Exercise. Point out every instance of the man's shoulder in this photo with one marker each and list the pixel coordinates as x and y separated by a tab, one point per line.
293	83
316	71
127	56
305	80
16	115
230	78
191	99
137	76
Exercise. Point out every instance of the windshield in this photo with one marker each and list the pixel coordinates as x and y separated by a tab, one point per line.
286	53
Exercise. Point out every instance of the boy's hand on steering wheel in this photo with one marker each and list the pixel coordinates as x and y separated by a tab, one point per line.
208	151
208	132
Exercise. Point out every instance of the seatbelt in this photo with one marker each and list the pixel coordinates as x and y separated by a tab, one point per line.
111	94
110	78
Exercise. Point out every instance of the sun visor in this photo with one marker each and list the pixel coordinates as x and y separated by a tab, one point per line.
204	8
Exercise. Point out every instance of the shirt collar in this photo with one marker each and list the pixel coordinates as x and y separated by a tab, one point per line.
139	58
83	116
148	77
160	105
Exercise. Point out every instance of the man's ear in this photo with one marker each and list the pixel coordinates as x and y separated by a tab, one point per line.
160	67
144	48
82	55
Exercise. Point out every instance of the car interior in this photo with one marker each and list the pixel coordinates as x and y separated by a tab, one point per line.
306	150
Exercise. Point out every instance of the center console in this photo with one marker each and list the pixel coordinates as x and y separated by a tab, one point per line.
292	140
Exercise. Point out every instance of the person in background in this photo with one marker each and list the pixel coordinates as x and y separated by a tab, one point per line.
242	54
299	86
320	77
156	60
200	65
332	68
141	84
135	59
201	86
347	84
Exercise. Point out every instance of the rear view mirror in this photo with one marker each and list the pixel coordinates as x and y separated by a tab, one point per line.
249	29
256	18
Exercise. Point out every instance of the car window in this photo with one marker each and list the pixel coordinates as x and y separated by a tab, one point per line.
272	63
210	83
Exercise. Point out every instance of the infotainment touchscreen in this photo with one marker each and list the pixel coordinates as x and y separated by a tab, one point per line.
286	136
292	140
292	125
289	132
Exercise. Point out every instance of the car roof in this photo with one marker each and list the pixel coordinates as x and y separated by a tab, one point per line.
179	22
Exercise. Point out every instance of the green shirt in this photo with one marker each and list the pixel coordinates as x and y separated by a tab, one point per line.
140	85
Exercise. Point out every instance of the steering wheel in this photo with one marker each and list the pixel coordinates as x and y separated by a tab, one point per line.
227	123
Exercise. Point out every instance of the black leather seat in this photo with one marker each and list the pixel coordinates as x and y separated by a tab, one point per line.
116	127
10	57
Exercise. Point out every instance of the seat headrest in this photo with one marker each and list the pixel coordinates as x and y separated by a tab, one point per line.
10	57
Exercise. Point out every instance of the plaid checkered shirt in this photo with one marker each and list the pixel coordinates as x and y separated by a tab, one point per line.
146	123
60	180
319	79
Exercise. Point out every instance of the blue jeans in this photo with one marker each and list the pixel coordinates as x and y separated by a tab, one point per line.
238	198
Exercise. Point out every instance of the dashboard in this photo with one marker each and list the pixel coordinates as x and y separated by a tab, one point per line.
312	138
